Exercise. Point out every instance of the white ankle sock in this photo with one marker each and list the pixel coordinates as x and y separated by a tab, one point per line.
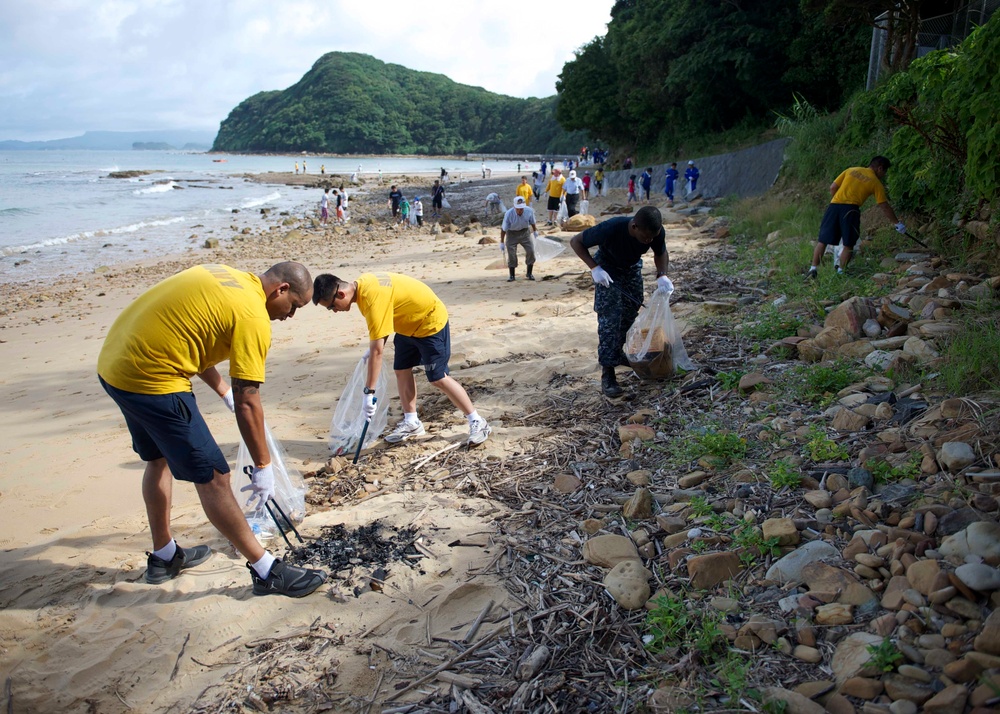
263	566
410	418
472	417
167	552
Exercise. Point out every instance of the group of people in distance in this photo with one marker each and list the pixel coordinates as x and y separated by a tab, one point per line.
337	200
190	322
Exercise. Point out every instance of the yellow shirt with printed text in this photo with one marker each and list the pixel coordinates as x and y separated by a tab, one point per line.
184	325
391	302
555	186
525	191
855	185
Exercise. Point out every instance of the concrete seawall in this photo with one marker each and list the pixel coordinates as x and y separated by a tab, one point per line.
749	172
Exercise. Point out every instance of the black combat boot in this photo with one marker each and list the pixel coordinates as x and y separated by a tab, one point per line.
609	383
529	276
511	278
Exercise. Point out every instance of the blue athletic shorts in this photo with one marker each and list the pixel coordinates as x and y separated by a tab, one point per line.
170	426
433	352
841	222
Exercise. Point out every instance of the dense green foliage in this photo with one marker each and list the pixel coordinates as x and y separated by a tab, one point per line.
936	121
354	103
668	70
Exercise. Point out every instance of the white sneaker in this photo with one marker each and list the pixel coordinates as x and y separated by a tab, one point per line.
479	431
404	430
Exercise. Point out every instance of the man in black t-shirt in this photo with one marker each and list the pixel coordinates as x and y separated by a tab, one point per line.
617	272
437	199
395	197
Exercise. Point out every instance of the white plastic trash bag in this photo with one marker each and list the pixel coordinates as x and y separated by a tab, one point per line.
563	212
348	419
653	346
289	487
547	249
584	208
444	203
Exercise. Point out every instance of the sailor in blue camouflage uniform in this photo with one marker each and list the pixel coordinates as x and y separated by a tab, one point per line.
617	272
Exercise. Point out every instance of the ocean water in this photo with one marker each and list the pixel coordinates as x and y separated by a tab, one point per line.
60	214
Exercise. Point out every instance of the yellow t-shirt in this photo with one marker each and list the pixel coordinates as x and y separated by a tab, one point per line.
398	303
599	175
185	324
555	186
525	191
856	185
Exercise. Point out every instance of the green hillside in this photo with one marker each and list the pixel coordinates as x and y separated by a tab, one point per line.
354	103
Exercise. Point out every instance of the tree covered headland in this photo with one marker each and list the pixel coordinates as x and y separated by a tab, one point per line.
354	103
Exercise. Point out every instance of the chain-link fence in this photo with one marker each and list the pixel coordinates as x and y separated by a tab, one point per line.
936	33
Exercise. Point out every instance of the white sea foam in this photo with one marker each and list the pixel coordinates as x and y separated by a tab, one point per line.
83	235
155	188
254	202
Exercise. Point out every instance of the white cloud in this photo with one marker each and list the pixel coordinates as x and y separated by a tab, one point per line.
71	66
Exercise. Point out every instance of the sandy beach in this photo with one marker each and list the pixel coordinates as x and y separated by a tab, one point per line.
79	629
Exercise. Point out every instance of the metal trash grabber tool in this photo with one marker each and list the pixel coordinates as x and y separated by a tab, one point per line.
248	470
917	241
618	290
364	431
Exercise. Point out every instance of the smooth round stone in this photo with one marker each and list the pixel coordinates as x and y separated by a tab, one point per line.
807	654
824	515
921	675
903	706
914	597
979	576
928	642
872	561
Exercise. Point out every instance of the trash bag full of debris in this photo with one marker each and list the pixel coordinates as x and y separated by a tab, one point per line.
653	346
289	486
348	420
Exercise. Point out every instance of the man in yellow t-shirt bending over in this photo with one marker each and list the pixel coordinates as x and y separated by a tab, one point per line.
394	303
842	220
182	327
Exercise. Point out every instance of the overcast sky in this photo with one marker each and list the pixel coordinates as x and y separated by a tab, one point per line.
69	66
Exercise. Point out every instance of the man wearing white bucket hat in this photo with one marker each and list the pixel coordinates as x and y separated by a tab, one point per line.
518	228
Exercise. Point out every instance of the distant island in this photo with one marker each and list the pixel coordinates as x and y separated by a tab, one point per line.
353	103
188	140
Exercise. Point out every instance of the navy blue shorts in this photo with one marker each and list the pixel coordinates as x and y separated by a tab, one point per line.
433	352
553	204
170	426
841	222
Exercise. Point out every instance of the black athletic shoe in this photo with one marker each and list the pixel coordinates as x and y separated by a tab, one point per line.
159	570
813	273
529	276
285	579
609	383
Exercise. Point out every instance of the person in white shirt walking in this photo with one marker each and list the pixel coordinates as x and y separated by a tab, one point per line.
572	190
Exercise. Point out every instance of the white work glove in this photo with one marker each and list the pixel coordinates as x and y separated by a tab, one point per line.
601	277
503	247
369	408
261	486
227	398
534	235
664	283
366	355
901	227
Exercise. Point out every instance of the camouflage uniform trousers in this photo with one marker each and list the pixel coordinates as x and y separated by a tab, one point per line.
523	238
615	312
